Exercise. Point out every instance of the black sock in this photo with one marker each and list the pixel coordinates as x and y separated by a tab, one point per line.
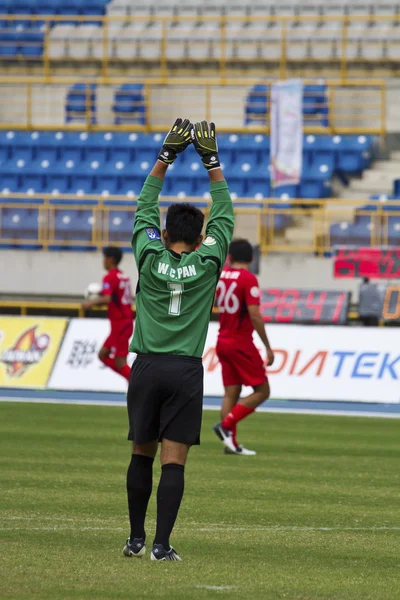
139	483
169	496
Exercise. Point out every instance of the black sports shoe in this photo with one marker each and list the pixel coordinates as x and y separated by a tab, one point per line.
135	548
226	437
158	553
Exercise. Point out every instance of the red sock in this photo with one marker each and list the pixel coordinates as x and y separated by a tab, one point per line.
237	413
124	371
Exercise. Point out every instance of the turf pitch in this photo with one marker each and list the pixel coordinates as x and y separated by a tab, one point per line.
314	516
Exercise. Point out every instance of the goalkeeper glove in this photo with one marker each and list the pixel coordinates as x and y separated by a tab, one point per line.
204	140
176	141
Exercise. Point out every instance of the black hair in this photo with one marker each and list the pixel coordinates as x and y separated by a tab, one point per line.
241	251
184	223
114	253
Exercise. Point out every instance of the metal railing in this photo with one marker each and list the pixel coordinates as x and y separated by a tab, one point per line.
290	226
331	46
356	107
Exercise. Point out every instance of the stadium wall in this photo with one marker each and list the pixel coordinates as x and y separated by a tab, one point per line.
69	273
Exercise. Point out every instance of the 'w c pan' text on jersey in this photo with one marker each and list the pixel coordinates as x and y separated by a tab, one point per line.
175	292
237	289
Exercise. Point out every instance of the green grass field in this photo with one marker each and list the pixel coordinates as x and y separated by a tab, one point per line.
314	516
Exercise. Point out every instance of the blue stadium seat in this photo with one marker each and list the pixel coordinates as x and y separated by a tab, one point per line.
237	186
31	43
260	188
120	225
131	185
285	192
82	184
396	188
56	184
32	183
124	155
393	230
129	104
118	168
76	103
9	182
257	105
20	226
315	105
106	185
73	225
9	40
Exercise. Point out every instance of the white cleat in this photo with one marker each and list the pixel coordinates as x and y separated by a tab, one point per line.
226	437
241	451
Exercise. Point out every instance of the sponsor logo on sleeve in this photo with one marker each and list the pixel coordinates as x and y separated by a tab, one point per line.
210	241
153	234
255	292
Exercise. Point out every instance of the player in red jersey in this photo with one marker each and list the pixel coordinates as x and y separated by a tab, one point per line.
238	300
117	295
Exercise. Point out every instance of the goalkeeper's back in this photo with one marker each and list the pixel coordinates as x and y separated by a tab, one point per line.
176	290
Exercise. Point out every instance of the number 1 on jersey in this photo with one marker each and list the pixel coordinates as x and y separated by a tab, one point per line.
176	290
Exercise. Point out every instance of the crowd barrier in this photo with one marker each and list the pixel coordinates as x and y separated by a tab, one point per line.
311	362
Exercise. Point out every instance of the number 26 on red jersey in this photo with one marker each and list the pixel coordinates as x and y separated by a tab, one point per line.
227	301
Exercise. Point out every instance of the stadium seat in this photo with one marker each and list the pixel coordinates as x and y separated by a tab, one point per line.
119	226
129	105
393	230
79	101
19	227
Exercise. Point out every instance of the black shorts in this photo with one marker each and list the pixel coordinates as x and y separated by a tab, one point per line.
165	398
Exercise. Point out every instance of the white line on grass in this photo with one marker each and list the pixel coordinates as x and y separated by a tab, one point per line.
219	529
279	410
217	588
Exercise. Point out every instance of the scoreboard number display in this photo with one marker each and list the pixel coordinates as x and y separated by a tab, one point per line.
380	300
304	306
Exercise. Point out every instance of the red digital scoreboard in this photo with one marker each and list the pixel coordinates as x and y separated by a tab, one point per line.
304	306
373	263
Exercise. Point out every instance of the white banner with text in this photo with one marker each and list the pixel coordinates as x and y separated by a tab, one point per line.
311	362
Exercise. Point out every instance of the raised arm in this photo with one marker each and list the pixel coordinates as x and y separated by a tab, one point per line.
146	231
221	222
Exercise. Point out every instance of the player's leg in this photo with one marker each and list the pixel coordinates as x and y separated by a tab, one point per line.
180	424
230	399
139	484
122	367
115	349
169	497
251	370
246	406
231	379
143	413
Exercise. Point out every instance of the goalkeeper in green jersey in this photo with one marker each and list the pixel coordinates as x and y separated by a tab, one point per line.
174	299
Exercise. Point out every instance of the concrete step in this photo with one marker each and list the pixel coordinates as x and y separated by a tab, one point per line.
355	195
374	176
387	165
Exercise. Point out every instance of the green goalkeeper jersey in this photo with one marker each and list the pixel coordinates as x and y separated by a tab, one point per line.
175	293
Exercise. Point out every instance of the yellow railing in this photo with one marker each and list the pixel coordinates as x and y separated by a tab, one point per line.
301	226
285	45
358	106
